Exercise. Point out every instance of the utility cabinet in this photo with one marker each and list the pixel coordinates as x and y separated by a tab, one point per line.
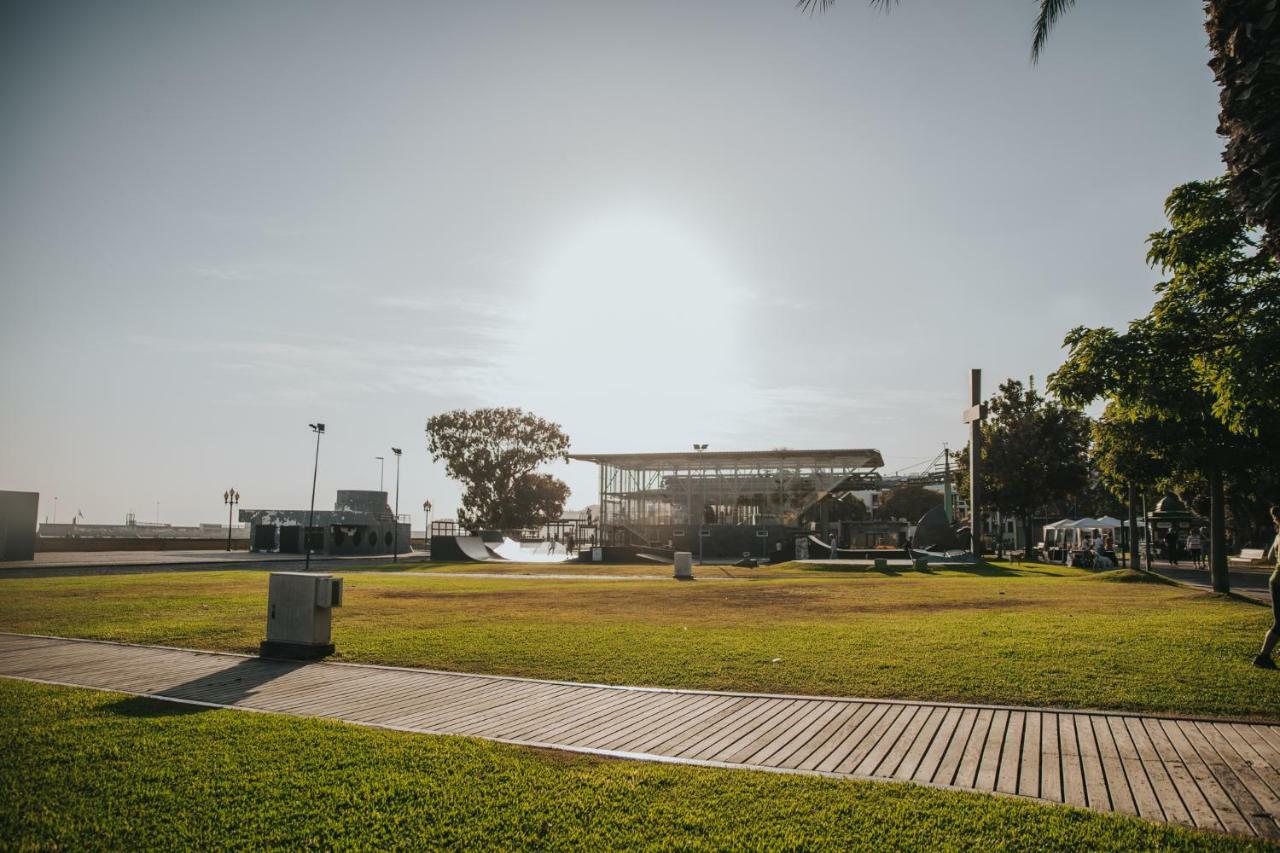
299	610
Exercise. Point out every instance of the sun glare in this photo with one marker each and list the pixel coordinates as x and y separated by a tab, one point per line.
631	300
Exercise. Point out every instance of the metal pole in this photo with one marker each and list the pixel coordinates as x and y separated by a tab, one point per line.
1146	528
395	521
1135	559
975	485
318	429
230	507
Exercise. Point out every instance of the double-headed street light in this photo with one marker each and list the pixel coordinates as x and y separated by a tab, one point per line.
318	429
230	497
395	549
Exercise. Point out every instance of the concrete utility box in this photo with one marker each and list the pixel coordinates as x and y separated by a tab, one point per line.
298	615
684	565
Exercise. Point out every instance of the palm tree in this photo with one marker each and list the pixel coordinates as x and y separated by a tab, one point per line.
1244	36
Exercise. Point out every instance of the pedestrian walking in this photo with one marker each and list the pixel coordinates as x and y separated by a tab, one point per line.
1194	550
1264	659
1171	546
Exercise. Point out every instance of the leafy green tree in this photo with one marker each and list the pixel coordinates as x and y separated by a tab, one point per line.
1244	37
909	500
1035	453
495	453
1192	386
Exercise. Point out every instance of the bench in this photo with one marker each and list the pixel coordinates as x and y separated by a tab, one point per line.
1248	557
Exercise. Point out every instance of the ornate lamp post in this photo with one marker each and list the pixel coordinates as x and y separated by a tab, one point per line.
230	497
426	510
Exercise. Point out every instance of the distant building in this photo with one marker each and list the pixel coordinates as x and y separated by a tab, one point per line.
18	512
361	522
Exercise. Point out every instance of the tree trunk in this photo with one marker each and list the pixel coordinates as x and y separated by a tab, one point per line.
1028	526
1135	559
1217	533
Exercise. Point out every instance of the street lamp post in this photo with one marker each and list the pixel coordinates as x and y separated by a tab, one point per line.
702	511
230	497
318	429
395	549
426	511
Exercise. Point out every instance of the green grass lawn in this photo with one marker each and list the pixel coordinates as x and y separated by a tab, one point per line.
89	770
1027	635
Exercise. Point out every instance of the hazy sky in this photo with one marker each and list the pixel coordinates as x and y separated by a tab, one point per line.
653	222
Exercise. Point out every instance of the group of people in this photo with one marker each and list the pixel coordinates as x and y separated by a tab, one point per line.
1194	545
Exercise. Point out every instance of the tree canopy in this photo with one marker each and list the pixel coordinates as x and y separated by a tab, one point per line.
1191	389
1035	453
495	453
909	500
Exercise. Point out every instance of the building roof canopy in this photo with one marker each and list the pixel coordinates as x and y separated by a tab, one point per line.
783	458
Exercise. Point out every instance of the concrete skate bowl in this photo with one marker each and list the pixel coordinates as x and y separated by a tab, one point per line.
474	549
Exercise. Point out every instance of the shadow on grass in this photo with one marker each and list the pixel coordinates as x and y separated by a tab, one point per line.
986	570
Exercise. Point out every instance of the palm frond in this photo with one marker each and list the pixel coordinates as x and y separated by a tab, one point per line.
1050	12
811	6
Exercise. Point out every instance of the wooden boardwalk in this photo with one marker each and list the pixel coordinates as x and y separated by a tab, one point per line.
1212	774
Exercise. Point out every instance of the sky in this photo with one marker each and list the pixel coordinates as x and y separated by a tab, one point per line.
654	223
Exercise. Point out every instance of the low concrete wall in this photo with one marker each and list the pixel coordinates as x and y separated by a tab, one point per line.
87	543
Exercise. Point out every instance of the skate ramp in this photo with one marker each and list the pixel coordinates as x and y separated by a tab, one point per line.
531	552
460	549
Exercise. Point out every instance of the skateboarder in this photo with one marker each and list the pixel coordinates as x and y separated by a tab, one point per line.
1264	657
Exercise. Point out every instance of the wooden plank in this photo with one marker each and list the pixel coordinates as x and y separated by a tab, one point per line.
931	760
989	763
628	723
967	772
1197	805
1029	762
949	765
623	718
1162	784
584	715
1050	758
1140	787
663	725
853	755
1217	797
1254	752
1112	768
910	763
830	737
799	734
1095	776
887	743
1073	781
704	748
853	735
790	713
1011	754
722	719
715	717
689	719
1240	783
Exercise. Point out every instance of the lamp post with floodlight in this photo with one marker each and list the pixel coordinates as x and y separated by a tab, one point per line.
230	497
318	429
395	549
